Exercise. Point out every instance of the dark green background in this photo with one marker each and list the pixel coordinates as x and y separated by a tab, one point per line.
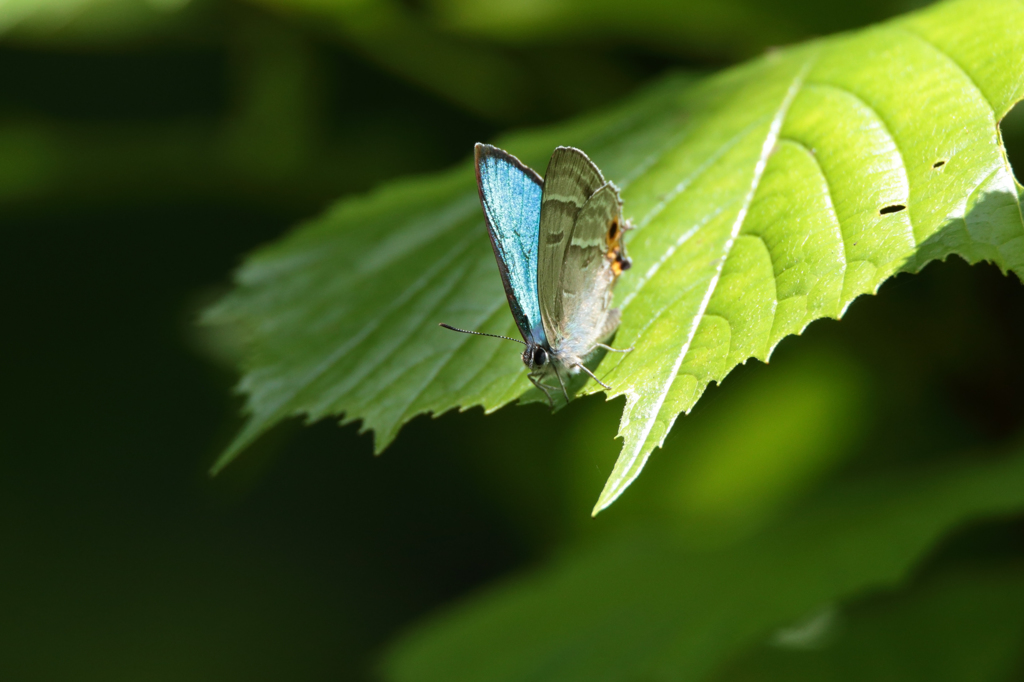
134	175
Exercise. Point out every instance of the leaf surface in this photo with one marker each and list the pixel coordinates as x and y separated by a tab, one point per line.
641	606
961	624
765	197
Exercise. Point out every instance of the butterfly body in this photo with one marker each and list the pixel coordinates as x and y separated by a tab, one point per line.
558	245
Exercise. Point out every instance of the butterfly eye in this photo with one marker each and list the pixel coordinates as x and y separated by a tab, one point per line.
539	357
613	230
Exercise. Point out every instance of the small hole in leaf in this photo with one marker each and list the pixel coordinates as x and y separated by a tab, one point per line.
939	164
895	208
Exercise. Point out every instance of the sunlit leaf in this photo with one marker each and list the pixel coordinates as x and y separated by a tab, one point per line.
641	606
765	197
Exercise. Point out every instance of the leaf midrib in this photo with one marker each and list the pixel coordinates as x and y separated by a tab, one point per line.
615	486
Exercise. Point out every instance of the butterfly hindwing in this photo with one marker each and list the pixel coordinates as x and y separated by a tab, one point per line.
588	274
511	196
570	180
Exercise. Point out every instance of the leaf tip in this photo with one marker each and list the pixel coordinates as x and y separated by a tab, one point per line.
249	433
611	492
227	457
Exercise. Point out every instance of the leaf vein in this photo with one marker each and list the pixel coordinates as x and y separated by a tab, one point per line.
831	206
417	392
334	357
615	484
888	131
397	342
938	50
706	165
447	362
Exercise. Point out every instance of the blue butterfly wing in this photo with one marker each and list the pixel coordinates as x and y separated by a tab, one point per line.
511	196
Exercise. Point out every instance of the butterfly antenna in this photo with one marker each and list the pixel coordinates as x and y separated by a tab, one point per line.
466	331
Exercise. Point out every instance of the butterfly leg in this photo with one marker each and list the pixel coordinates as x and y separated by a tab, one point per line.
559	377
583	367
609	348
544	389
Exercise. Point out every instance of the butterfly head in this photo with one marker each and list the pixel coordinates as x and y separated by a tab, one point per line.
535	356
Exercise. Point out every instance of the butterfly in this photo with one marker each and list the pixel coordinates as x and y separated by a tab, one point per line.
558	243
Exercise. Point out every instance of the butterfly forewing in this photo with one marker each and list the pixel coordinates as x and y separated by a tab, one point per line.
511	196
570	181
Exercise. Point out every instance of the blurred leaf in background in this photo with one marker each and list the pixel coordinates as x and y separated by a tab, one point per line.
850	511
961	623
88	22
721	31
635	605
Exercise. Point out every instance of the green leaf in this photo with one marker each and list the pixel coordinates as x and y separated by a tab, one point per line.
960	625
478	78
733	29
491	81
766	197
642	606
88	22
